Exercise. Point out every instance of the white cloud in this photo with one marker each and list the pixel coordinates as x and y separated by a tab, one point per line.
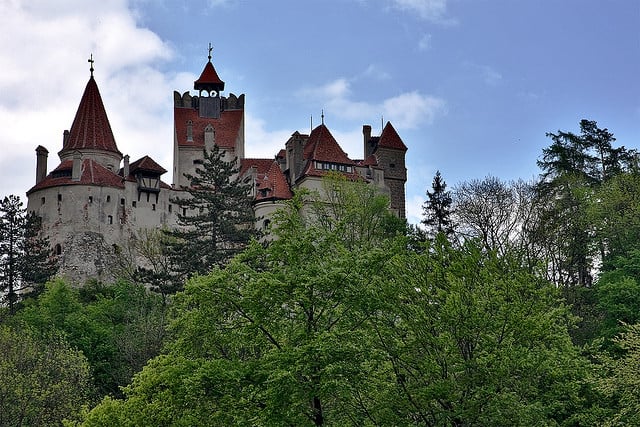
430	10
45	70
407	110
260	142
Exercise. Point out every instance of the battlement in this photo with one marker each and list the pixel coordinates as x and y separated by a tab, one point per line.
186	100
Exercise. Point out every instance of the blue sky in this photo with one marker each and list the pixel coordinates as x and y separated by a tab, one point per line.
472	86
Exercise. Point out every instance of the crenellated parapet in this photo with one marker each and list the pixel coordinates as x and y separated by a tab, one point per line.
186	100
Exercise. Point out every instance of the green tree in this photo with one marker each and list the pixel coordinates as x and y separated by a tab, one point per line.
38	264
43	380
215	218
12	225
437	209
118	328
476	339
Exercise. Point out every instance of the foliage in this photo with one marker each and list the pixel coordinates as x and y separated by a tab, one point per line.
215	218
313	330
621	380
118	328
43	380
474	339
437	209
26	259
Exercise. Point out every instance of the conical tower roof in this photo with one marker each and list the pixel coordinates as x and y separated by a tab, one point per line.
91	129
209	79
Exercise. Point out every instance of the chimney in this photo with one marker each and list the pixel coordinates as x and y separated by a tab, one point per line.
366	133
125	169
41	163
76	171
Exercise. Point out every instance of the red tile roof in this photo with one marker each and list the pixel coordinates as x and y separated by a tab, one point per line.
389	138
93	173
147	164
227	127
91	128
270	182
323	147
209	79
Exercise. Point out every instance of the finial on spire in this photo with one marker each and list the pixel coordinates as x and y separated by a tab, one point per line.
91	61
210	49
322	116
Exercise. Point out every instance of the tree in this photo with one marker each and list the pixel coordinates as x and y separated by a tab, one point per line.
43	380
476	339
215	220
437	209
117	327
313	330
26	259
11	234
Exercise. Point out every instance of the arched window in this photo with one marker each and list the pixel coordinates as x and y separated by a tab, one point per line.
58	249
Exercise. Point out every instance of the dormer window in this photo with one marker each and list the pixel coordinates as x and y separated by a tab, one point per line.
189	131
148	182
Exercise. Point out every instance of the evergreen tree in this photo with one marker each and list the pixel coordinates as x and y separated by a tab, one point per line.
215	220
26	259
12	225
436	210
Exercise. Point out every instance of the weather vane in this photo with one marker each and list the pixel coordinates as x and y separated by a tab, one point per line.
210	49
91	61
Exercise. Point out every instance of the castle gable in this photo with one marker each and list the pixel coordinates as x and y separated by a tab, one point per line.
227	128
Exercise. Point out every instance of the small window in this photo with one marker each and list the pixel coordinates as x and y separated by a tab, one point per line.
108	199
133	203
392	165
59	197
170	208
153	207
122	202
265	224
58	249
198	162
110	219
42	200
90	199
184	211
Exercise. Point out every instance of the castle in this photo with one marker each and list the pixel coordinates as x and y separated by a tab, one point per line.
96	199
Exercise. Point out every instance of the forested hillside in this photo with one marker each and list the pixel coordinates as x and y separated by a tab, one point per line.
512	304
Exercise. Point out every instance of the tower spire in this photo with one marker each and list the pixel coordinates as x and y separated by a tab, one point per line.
210	49
90	60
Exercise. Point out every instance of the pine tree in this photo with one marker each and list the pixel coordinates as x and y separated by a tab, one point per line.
215	220
38	264
436	210
26	258
12	225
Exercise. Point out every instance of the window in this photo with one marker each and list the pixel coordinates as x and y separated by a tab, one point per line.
392	165
184	211
133	203
153	207
110	219
265	224
108	199
90	199
58	249
122	202
198	162
59	197
170	208
42	200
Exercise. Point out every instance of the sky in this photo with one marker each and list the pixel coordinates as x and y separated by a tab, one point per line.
471	86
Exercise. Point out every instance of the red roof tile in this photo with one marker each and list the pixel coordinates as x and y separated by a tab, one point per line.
389	138
323	147
91	128
146	163
270	182
209	79
227	127
93	173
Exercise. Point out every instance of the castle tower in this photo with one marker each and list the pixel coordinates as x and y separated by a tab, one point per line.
390	151
90	132
204	120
